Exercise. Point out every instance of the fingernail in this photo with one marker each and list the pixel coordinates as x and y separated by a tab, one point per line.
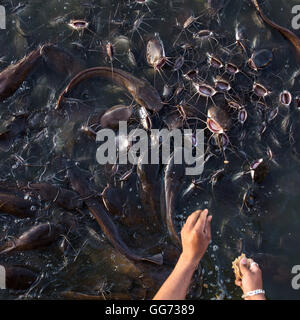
244	261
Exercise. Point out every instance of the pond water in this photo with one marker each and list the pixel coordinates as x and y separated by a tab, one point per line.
260	218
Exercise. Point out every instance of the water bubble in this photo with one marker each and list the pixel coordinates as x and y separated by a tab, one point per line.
215	247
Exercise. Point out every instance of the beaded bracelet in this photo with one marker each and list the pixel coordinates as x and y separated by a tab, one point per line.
253	293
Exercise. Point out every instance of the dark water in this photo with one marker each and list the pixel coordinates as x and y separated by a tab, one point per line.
268	231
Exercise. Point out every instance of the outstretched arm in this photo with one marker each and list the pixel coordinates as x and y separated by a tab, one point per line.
195	237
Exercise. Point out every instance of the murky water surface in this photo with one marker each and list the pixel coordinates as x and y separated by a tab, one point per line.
265	226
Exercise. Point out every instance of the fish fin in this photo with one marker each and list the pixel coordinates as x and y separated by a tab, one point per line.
157	259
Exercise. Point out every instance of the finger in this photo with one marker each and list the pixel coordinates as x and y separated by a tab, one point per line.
207	229
249	262
200	224
244	267
238	283
254	267
192	219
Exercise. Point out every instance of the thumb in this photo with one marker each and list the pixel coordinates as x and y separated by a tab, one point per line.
244	267
238	283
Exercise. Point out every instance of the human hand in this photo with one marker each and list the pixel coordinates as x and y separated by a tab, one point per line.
252	279
195	236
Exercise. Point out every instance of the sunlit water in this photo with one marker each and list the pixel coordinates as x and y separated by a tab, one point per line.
268	232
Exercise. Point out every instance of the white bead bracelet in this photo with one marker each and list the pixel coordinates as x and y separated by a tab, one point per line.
253	293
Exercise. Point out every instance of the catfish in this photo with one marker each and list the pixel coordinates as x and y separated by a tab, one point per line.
97	209
38	236
13	76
